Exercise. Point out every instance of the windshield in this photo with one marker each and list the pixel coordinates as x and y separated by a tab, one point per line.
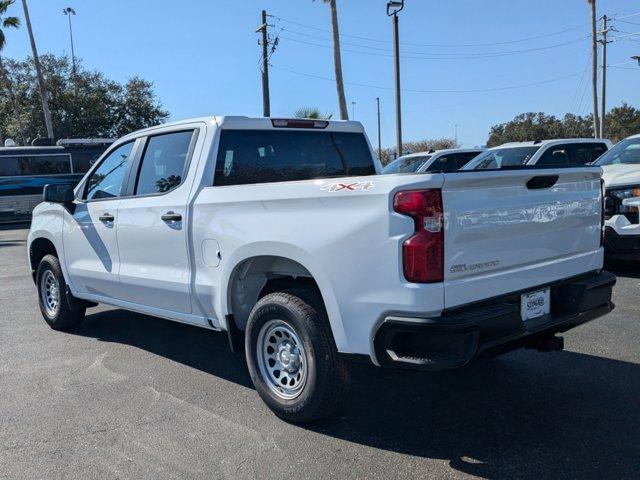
406	164
626	151
501	157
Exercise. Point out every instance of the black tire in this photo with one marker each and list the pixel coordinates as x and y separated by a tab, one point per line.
68	312
325	371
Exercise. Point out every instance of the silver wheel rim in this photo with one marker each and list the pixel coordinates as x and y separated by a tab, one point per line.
50	293
282	359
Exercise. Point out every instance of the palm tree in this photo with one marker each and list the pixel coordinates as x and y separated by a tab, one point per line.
312	112
9	22
337	60
41	83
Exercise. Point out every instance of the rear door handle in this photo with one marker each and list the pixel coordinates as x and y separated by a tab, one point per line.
107	217
171	217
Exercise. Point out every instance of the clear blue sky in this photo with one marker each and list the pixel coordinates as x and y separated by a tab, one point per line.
203	57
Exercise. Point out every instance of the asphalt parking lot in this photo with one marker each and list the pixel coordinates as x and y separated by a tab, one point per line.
132	396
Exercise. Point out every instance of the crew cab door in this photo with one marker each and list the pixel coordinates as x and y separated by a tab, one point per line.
89	236
152	224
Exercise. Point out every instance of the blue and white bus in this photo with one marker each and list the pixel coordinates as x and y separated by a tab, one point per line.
24	171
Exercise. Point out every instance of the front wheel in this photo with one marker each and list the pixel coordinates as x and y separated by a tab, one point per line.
292	358
58	310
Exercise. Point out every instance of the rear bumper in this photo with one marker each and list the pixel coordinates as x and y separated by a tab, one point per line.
621	246
493	326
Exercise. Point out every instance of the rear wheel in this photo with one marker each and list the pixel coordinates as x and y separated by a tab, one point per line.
59	310
292	358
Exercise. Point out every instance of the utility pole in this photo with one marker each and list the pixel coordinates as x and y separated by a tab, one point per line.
41	84
266	103
379	138
594	68
68	12
455	135
353	110
605	30
393	8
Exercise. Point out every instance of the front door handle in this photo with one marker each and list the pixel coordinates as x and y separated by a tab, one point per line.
107	217
171	217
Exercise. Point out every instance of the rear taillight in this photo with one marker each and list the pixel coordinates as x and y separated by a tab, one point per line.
602	210
423	252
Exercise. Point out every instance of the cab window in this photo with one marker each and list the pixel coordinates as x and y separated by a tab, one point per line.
107	180
163	162
572	154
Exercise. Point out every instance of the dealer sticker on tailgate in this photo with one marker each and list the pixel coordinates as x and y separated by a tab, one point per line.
535	304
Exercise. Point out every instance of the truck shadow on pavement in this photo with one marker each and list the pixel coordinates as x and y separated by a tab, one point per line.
524	415
624	269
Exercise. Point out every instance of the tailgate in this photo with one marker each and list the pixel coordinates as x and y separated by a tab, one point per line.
505	232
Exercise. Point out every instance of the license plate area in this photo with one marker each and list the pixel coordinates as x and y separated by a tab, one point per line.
535	304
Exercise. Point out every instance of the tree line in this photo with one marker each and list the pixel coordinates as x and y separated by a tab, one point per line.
84	103
621	121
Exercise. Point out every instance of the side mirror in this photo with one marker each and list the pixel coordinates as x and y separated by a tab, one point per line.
58	194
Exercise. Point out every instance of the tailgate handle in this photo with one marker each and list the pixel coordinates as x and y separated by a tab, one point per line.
542	181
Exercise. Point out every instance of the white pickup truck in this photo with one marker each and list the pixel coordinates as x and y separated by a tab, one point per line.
621	175
281	233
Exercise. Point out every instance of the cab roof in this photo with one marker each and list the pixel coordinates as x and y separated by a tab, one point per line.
443	150
255	123
539	143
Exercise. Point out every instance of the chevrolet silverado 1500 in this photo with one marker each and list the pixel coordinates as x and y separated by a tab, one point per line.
282	234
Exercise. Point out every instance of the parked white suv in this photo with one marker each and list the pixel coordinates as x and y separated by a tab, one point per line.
281	233
556	153
445	160
621	175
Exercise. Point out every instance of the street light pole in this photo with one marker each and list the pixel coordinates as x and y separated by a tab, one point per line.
379	139
68	12
393	8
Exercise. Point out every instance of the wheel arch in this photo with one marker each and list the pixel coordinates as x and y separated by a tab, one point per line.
39	247
254	276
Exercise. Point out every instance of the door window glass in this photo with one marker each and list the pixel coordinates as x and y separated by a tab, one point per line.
463	158
445	163
163	162
557	156
107	180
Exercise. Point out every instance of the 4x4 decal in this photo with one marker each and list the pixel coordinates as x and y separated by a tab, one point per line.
351	187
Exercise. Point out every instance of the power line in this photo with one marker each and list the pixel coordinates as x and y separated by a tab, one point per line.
626	39
440	45
426	57
627	34
574	102
410	52
627	22
628	16
626	68
476	90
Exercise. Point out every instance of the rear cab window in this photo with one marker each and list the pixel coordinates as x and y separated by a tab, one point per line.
572	154
406	164
265	156
500	157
